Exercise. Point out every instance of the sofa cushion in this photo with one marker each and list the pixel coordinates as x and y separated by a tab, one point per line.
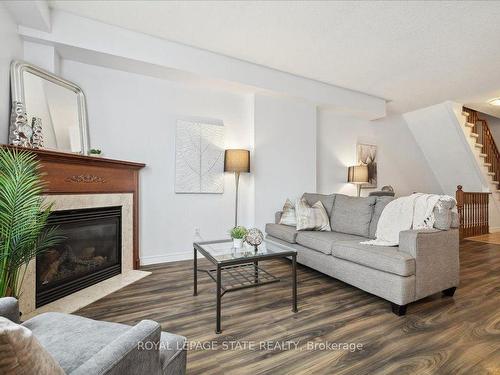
352	215
383	258
283	232
326	200
380	204
323	241
71	339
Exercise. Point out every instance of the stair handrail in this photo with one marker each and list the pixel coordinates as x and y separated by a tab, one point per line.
489	145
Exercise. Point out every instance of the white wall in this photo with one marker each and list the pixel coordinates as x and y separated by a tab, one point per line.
133	117
11	48
285	157
400	162
447	147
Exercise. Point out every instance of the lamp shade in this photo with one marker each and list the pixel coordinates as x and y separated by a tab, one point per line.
237	160
358	174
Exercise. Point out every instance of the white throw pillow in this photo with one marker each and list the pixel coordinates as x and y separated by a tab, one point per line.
22	353
288	216
311	217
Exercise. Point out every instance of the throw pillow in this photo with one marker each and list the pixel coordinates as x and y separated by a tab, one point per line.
326	200
288	216
311	217
21	353
442	212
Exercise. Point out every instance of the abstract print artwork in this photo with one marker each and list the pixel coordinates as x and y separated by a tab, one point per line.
367	154
199	157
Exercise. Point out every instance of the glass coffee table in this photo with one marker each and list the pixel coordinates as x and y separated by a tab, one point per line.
236	269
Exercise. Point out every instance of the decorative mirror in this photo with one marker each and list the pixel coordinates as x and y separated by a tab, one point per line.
47	111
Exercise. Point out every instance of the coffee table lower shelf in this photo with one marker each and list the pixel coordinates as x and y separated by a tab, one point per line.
241	276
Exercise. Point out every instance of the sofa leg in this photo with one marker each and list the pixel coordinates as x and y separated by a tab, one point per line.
449	292
399	310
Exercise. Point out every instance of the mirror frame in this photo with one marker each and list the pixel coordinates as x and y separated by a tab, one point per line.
17	69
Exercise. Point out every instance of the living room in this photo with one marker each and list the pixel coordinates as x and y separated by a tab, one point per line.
342	152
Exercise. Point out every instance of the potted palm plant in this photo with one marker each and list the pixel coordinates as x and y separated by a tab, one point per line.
238	234
23	218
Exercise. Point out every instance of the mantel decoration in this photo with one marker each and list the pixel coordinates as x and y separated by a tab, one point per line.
254	237
23	218
20	131
199	157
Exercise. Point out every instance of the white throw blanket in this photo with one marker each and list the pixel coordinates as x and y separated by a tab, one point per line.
414	211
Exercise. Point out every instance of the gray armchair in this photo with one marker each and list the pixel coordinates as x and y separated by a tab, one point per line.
84	346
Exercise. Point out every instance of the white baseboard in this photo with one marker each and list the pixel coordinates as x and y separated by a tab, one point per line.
170	257
494	229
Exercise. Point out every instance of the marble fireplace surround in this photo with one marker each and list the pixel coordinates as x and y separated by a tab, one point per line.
88	295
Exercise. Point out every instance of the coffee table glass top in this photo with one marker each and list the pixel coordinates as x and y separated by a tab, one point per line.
223	251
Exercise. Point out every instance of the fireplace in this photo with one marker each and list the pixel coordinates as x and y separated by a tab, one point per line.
90	252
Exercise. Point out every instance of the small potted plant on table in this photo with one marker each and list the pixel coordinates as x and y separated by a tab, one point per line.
238	234
95	152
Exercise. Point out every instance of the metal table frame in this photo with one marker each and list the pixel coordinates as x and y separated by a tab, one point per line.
242	273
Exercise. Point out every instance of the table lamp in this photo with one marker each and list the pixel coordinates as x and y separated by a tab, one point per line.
358	175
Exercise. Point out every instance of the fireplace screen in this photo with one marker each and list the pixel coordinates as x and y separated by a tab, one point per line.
90	253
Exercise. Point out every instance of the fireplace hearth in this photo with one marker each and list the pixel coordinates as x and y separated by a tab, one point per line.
90	253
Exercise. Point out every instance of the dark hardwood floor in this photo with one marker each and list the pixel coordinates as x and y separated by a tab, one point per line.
450	335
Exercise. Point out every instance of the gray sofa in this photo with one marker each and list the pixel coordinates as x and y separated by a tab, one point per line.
424	263
85	347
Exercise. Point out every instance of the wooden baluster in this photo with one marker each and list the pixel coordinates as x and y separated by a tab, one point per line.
474	214
487	215
459	196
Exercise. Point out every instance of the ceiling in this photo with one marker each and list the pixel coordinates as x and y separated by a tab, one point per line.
413	54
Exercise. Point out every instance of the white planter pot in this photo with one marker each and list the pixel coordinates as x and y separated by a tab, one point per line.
237	243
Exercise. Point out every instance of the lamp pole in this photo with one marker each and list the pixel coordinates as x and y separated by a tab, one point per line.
237	180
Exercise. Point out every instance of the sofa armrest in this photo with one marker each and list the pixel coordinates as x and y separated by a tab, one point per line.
134	352
277	217
9	308
436	254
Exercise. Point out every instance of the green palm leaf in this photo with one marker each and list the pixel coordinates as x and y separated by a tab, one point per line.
23	217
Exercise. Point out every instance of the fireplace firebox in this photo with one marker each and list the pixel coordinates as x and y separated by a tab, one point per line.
89	253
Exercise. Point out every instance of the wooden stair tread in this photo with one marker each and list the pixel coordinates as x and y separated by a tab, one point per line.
487	164
469	125
466	114
474	135
478	145
483	155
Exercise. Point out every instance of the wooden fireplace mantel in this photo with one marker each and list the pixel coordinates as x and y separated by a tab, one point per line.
66	173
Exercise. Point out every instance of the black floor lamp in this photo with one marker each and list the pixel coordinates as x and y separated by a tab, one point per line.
237	161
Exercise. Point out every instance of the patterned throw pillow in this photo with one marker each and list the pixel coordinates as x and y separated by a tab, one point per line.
288	215
311	217
22	353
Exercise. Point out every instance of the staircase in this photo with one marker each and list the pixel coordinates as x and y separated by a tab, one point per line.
459	149
484	147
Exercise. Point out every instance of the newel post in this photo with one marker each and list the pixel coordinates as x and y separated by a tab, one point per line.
459	195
